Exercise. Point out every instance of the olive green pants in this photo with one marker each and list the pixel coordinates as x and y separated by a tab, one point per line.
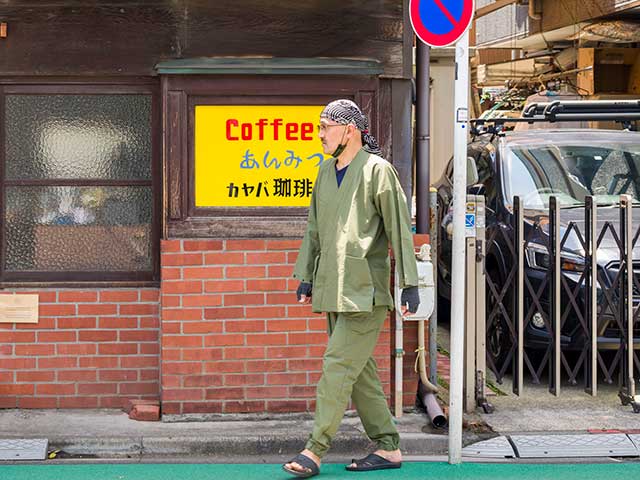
349	371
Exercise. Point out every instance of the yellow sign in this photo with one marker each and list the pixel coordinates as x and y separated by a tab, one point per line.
256	156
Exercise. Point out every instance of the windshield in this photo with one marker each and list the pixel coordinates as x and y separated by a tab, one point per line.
571	172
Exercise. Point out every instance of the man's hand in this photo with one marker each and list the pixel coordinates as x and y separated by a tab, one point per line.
409	301
304	292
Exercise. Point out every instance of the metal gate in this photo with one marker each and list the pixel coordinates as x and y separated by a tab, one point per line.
562	299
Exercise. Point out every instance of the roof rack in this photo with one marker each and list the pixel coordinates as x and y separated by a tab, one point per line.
581	107
620	111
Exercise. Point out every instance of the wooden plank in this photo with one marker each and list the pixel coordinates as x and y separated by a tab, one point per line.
497	5
499	72
557	14
585	79
407	43
634	77
239	227
89	40
616	56
384	133
175	152
272	87
125	39
493	55
402	145
79	3
158	177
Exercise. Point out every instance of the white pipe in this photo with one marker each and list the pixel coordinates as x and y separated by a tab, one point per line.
458	248
399	354
421	361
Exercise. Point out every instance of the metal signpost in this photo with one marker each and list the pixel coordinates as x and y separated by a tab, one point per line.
440	23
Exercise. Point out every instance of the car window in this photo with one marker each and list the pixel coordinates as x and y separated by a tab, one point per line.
524	180
572	172
616	174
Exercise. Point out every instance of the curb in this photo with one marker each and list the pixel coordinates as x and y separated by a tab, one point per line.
230	446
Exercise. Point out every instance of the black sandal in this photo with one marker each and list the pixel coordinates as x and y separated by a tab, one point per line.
305	462
371	462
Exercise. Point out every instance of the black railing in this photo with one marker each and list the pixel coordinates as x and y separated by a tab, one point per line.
554	301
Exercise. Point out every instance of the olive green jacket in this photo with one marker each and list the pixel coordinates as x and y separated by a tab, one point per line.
345	251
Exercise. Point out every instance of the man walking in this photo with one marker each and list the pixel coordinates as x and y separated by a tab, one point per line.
357	209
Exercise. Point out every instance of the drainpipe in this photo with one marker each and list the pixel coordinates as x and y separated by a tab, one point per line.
426	389
422	189
431	405
422	137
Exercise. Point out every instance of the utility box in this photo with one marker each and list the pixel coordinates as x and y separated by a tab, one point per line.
425	286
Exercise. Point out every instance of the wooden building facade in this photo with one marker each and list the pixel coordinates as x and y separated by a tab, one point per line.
590	45
147	289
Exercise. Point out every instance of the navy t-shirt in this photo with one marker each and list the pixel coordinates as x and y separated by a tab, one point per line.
340	174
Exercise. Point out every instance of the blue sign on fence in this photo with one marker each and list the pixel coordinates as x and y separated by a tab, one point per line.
470	220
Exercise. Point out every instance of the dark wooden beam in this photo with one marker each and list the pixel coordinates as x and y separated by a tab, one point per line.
402	146
71	37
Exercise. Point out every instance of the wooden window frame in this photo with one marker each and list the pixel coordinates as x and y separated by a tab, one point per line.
193	210
181	94
84	279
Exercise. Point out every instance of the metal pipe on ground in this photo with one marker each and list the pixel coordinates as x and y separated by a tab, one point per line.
431	405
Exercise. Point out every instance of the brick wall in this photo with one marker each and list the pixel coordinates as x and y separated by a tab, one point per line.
91	348
409	375
233	337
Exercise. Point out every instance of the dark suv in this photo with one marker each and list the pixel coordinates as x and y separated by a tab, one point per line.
535	165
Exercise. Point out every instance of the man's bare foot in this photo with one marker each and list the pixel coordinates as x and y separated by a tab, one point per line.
300	468
394	456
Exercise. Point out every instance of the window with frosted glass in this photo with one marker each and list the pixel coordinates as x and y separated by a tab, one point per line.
78	193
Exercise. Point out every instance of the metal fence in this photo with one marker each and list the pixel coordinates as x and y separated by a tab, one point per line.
562	300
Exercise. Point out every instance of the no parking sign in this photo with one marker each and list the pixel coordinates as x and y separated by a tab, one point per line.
440	22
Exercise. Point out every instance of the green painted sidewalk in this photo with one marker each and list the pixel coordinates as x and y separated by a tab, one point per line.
414	470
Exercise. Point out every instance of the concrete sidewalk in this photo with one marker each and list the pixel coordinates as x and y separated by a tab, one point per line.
111	434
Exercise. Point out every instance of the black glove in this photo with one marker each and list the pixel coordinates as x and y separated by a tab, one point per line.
303	289
410	298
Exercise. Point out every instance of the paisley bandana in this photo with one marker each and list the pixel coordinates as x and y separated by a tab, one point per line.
346	112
